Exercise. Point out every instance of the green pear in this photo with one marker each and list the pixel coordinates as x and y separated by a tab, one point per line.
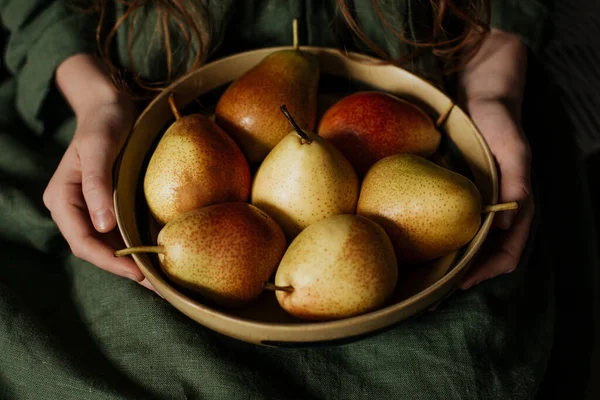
304	179
336	268
226	252
428	211
195	164
247	110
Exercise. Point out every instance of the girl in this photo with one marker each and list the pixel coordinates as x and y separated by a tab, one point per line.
160	40
107	58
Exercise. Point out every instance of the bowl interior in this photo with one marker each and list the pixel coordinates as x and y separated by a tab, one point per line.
264	321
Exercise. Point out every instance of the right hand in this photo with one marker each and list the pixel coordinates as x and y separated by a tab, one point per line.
79	194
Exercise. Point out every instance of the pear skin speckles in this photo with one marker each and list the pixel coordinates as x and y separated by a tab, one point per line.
339	267
427	211
225	252
299	184
367	126
249	108
195	164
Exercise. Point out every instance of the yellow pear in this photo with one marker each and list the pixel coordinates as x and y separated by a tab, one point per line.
336	268
225	252
304	179
428	211
195	164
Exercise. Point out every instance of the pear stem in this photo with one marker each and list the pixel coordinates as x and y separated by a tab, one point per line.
174	109
443	117
295	33
299	131
139	249
270	286
501	207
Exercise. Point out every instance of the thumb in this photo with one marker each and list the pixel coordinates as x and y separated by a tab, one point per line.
98	151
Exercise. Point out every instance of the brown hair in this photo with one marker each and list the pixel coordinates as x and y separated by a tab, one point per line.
190	19
456	32
456	35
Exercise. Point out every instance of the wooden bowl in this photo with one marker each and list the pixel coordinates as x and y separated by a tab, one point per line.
264	322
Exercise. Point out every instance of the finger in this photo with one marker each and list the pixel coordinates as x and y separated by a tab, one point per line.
504	251
76	228
146	283
70	214
515	185
98	151
511	151
115	241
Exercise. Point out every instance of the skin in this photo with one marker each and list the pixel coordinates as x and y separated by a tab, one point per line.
491	90
79	194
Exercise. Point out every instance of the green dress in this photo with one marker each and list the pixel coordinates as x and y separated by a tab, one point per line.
72	331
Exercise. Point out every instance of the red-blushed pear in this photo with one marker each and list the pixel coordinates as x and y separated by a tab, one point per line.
367	126
248	109
226	252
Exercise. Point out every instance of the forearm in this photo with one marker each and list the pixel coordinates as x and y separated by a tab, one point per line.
497	72
84	83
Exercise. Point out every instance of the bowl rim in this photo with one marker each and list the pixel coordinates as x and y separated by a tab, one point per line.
460	264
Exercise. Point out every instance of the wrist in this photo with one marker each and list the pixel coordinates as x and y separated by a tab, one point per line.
496	73
493	104
86	85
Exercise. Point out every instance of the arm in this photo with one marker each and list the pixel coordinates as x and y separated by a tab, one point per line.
50	42
491	90
83	82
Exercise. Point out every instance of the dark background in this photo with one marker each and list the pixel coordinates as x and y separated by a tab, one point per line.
562	121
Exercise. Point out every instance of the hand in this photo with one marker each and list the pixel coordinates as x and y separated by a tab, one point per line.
499	124
490	89
79	194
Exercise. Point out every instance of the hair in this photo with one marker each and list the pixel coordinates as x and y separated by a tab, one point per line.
456	33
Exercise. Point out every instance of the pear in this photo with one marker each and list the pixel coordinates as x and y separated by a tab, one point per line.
304	179
226	252
195	164
367	126
336	268
247	110
428	211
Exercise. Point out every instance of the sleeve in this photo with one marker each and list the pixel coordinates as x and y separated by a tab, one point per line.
41	34
524	18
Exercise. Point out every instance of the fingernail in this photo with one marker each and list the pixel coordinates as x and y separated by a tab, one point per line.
466	285
104	219
134	277
470	284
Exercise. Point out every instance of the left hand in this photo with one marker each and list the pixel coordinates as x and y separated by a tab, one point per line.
505	244
491	89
